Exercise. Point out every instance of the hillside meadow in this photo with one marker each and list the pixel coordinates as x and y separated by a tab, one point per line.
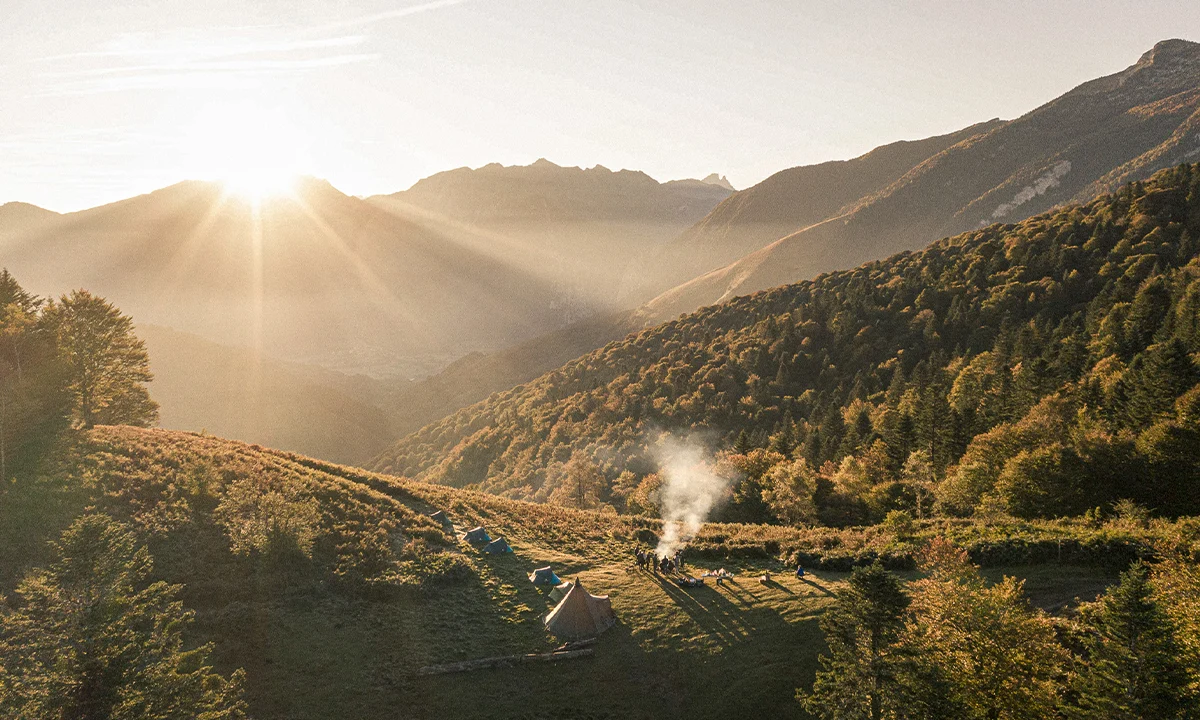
331	587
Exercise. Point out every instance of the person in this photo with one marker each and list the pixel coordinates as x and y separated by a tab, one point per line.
799	571
653	560
641	558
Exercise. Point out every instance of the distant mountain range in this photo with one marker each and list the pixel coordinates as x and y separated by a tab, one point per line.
387	287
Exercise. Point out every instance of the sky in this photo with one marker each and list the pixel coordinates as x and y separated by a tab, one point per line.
105	99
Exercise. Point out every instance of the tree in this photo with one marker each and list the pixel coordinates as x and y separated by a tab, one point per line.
918	474
106	363
998	657
1133	666
93	638
32	393
860	676
788	492
579	484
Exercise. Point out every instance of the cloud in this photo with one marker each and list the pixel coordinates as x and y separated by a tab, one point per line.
228	57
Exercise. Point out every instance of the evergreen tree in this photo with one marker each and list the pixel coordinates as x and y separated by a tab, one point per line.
861	675
106	363
1133	666
93	638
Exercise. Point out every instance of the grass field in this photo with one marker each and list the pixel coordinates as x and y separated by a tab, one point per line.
314	649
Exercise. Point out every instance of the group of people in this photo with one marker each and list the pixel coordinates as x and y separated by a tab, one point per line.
666	564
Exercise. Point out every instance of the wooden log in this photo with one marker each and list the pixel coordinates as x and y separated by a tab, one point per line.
504	661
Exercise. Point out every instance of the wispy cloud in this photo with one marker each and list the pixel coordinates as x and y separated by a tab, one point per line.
231	57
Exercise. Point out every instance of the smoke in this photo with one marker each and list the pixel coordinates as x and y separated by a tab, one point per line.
691	489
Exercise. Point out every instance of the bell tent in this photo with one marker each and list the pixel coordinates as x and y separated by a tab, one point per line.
477	535
440	518
544	576
499	545
580	615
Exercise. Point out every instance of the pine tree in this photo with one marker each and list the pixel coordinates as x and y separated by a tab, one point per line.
860	675
1133	669
93	638
106	363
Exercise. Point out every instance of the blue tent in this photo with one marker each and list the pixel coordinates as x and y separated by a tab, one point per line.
499	545
544	576
478	535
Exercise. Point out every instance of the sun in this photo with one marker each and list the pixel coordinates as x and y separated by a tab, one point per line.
256	151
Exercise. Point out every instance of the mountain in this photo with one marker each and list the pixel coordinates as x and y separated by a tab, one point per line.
1101	134
719	181
21	216
235	393
989	339
795	198
594	228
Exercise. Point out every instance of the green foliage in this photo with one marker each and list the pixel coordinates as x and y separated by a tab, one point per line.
1134	664
106	364
91	636
1050	353
860	674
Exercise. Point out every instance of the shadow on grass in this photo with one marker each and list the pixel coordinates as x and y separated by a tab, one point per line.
821	588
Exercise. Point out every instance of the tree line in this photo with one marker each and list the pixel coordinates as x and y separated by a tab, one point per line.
951	645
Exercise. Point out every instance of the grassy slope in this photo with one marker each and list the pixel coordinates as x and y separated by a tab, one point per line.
314	648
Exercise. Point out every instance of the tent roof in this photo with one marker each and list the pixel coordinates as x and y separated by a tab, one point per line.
544	576
559	592
580	614
499	545
477	535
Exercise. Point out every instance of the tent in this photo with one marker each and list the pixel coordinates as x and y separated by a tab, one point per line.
499	545
580	614
478	535
561	591
544	576
441	518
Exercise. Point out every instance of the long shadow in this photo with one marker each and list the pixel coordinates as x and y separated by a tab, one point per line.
824	590
779	586
715	613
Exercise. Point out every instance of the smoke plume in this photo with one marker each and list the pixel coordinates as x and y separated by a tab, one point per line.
691	489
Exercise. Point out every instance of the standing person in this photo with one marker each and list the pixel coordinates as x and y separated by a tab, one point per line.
641	558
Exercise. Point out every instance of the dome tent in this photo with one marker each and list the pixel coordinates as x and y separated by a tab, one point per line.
580	615
561	591
544	576
477	535
499	545
442	519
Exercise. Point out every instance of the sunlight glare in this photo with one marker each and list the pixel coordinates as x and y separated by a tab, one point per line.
255	151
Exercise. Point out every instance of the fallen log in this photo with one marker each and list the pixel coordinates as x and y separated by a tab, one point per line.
504	661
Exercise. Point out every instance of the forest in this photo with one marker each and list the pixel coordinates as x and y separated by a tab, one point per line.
1041	369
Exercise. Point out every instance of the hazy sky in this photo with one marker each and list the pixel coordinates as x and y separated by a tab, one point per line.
102	99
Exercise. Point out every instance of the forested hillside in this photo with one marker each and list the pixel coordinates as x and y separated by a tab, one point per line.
1044	368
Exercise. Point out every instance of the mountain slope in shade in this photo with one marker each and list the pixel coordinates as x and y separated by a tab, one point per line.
1102	133
233	392
592	229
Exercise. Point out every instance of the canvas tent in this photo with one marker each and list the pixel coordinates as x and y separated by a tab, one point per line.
499	545
440	518
561	591
477	535
580	615
544	576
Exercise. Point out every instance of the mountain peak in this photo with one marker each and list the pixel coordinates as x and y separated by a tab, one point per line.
1171	50
544	163
718	180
